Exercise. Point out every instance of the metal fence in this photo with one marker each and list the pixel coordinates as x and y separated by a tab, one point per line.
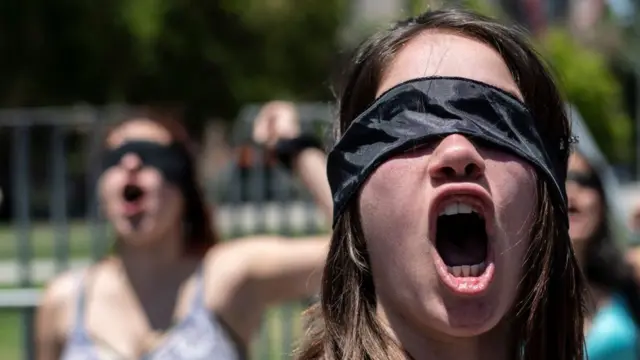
51	220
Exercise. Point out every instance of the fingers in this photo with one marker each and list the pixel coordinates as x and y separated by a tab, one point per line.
261	125
276	120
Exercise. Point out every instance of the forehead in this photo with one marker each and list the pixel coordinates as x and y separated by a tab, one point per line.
138	129
446	54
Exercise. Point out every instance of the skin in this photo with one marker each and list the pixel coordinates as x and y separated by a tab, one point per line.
279	120
585	206
633	253
586	213
633	257
150	283
429	320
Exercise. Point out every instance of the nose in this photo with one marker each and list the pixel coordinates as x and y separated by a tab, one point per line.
131	162
456	157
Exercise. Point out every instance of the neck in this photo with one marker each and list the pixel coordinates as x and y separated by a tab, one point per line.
153	264
580	253
425	344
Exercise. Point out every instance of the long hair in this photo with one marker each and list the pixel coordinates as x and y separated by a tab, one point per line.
547	317
200	233
604	265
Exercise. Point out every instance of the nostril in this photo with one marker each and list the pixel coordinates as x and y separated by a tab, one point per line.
471	170
448	172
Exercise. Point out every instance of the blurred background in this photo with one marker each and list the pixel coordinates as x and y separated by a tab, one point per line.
68	67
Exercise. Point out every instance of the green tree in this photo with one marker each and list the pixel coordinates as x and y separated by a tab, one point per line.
586	79
211	55
588	82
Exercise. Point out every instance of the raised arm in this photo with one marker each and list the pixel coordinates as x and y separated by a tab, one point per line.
280	269
277	127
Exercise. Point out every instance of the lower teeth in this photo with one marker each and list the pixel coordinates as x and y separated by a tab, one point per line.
467	270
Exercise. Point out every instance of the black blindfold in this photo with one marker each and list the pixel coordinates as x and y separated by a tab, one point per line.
428	109
172	161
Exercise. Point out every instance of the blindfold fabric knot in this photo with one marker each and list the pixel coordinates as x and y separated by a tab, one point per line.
423	110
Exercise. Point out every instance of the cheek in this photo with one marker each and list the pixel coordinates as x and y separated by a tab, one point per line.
390	200
165	196
593	204
393	213
514	191
110	185
513	188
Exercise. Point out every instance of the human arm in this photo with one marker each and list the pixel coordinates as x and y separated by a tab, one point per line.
277	122
280	269
310	166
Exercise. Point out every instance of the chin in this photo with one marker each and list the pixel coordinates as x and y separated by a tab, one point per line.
578	240
140	237
467	317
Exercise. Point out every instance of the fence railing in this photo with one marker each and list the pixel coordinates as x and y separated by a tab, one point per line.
52	222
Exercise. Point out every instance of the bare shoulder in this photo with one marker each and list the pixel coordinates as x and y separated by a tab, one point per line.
56	304
62	288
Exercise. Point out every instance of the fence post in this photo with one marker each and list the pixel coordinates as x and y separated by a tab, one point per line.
93	150
284	190
21	177
58	198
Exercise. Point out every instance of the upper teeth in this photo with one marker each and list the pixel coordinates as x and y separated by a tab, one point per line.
457	208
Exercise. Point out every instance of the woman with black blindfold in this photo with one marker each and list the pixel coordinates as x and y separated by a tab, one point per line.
170	290
613	315
450	225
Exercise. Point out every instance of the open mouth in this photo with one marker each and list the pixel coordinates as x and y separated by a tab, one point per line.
133	210
464	250
572	210
461	240
132	193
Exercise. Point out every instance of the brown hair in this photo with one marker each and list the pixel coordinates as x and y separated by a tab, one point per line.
547	317
199	226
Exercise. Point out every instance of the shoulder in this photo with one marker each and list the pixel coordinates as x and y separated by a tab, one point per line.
62	288
57	302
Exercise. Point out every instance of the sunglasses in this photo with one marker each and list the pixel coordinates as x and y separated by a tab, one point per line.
588	180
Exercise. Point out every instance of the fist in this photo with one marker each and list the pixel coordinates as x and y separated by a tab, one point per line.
276	120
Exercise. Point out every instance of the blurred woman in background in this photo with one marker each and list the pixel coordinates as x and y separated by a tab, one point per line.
613	315
171	289
633	251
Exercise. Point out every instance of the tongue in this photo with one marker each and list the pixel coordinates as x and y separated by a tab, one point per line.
464	249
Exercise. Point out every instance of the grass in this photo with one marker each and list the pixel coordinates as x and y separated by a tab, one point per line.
78	240
41	240
10	346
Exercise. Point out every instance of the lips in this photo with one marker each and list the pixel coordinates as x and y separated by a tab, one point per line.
464	253
132	195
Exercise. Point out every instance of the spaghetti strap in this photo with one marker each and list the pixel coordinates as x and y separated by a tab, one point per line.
78	330
200	293
79	325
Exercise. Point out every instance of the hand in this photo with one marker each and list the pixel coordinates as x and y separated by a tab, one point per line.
276	120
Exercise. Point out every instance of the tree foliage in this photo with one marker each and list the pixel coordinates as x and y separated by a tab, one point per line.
586	79
589	83
210	55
